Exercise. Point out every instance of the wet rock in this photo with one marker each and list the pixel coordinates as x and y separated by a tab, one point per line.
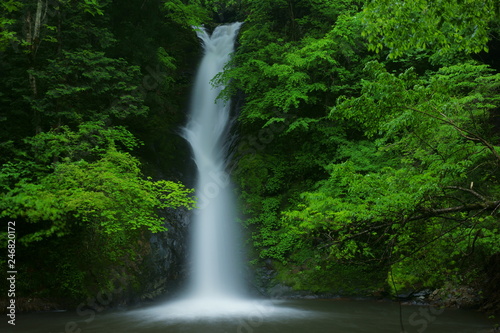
463	297
422	294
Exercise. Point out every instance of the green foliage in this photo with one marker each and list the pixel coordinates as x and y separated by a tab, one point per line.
189	13
7	36
105	191
387	165
92	7
85	85
429	137
443	26
284	75
90	141
80	85
457	257
318	275
294	59
107	195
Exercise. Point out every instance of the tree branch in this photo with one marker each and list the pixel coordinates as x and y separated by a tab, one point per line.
472	136
467	190
464	208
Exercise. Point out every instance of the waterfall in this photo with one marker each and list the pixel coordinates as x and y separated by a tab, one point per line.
216	287
215	256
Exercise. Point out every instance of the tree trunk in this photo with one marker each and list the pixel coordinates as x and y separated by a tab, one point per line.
33	40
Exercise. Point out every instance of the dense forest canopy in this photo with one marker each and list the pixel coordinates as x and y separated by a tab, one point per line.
89	91
368	135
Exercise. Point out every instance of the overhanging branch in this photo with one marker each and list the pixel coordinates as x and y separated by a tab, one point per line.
470	135
487	205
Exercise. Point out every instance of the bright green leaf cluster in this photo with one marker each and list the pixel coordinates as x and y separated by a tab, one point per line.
89	183
443	26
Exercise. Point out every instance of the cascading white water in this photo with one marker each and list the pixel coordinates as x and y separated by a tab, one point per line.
216	263
216	289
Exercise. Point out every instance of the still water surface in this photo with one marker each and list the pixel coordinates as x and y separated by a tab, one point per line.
297	316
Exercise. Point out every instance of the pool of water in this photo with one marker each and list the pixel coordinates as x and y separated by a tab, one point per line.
260	316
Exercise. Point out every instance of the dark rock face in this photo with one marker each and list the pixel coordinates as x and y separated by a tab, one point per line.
164	268
261	280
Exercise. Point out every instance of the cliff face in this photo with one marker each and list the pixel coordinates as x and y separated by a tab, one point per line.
164	268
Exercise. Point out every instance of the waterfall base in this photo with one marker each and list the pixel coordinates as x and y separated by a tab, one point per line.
218	309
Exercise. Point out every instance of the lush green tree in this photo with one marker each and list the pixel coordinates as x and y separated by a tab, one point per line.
7	35
84	85
352	162
422	187
294	60
443	26
89	182
70	189
188	13
79	80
